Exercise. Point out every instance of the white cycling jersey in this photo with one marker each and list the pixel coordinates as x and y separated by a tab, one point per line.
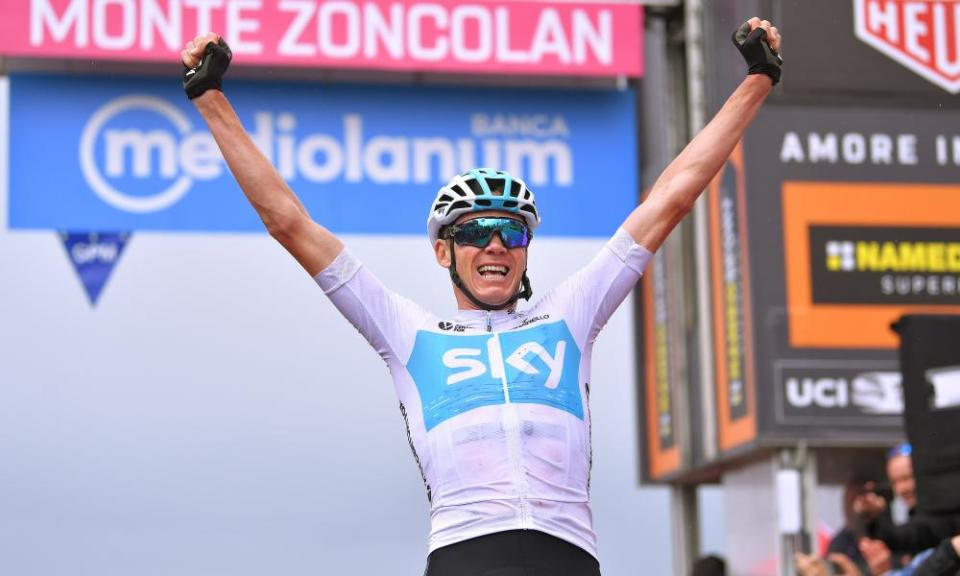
496	403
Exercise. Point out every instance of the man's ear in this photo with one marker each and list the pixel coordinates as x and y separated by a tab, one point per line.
441	249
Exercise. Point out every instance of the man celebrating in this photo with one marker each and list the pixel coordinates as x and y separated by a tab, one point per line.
503	445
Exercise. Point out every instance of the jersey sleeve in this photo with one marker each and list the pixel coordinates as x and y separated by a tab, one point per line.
590	296
387	320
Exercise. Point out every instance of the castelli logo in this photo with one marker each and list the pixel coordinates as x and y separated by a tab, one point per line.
923	35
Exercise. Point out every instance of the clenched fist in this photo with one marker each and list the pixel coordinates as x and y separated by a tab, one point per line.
759	43
205	60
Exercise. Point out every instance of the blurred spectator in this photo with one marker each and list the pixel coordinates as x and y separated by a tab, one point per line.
921	532
709	566
877	556
846	542
900	474
835	565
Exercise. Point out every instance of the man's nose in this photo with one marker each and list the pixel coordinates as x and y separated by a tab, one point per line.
495	244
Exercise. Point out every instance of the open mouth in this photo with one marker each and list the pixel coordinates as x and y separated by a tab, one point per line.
492	271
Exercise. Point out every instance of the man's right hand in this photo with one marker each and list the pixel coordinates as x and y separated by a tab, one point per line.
869	505
205	60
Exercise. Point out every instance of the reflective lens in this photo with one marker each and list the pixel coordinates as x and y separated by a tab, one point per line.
478	232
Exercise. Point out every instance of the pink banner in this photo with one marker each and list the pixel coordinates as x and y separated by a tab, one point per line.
509	37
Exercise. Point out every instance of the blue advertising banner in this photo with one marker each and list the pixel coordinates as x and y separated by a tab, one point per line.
132	154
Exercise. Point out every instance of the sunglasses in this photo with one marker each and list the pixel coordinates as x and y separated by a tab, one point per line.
478	232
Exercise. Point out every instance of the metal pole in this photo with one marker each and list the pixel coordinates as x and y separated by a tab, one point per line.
664	135
697	112
684	527
800	461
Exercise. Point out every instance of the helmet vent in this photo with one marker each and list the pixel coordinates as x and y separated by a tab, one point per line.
459	204
515	189
482	202
459	190
510	203
496	185
475	187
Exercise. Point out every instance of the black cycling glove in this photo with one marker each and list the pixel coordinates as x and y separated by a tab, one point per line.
761	59
208	74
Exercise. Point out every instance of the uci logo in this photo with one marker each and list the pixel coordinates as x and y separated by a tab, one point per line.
822	392
870	392
125	165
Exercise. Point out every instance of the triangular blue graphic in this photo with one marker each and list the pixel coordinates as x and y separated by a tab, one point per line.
94	254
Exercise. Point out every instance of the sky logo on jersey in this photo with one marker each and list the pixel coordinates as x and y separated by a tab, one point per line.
129	154
458	373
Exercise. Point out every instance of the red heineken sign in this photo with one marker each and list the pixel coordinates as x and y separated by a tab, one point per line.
923	35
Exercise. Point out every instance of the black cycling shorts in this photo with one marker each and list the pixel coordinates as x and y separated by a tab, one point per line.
512	553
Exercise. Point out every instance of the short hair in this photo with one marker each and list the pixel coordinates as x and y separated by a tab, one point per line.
711	565
902	449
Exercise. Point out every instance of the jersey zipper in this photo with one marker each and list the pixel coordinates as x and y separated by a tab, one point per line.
511	427
489	321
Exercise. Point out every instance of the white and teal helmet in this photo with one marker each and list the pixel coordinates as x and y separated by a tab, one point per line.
481	189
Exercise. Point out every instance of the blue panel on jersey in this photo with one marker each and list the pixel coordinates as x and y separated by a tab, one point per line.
455	373
542	365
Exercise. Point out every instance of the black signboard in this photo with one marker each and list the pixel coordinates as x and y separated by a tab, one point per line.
885	265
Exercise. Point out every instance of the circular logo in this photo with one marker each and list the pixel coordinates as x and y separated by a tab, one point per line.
109	194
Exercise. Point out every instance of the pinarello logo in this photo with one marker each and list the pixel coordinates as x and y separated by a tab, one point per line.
923	35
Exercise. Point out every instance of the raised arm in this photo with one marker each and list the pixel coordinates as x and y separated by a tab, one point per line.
678	187
313	246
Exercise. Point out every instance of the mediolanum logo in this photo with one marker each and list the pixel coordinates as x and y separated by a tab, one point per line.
923	35
142	154
169	157
132	154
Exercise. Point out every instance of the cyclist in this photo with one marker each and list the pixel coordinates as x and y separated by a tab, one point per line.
502	441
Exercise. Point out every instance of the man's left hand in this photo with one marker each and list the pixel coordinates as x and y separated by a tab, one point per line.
759	43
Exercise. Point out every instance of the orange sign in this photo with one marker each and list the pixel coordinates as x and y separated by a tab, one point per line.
732	317
860	255
663	453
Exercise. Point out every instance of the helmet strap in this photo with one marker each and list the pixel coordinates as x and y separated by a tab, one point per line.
525	291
